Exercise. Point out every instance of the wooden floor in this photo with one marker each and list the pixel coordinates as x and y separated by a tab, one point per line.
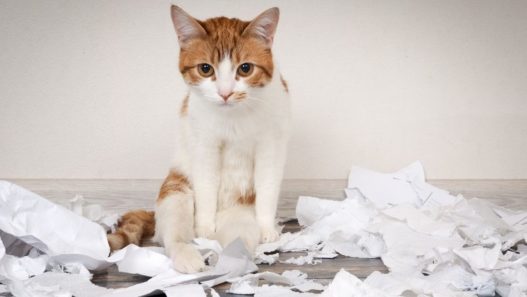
123	195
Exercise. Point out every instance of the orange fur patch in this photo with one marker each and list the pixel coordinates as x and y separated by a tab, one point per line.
248	199
239	96
184	106
132	228
174	182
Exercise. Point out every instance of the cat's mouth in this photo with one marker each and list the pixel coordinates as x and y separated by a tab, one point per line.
226	104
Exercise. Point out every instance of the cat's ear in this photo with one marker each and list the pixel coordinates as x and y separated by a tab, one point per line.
264	25
186	26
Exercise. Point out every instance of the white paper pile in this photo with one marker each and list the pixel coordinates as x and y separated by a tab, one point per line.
46	250
93	212
433	243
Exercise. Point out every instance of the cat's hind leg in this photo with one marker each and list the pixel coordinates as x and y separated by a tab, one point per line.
175	223
238	221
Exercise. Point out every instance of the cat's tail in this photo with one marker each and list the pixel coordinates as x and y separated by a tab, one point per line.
132	227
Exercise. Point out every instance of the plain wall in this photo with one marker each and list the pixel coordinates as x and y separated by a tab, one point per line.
90	89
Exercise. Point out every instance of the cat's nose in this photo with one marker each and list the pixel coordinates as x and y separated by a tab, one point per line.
225	95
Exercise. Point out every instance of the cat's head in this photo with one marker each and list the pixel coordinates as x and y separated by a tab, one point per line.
226	60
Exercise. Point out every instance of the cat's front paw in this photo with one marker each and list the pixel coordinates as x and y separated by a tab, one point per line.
268	234
186	258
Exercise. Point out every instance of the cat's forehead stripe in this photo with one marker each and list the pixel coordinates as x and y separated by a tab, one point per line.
224	35
225	38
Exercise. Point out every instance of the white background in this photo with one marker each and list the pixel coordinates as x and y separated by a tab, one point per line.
90	89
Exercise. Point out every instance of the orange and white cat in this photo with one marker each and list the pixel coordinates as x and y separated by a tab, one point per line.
225	180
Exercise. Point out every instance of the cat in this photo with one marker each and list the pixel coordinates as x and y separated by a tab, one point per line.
225	180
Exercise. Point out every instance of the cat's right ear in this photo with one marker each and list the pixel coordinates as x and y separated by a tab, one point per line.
187	28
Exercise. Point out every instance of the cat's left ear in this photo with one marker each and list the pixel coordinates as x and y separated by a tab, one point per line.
264	25
187	27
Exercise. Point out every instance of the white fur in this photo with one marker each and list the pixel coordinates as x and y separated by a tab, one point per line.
228	149
225	81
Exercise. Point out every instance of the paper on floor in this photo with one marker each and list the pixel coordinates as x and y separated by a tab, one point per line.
346	284
289	279
432	242
193	290
68	244
309	258
52	284
79	285
93	212
234	261
49	227
406	186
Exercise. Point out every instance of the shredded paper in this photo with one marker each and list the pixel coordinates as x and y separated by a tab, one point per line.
433	244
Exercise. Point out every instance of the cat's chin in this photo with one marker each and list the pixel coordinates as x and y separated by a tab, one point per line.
226	104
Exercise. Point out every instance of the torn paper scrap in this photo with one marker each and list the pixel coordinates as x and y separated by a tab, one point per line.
393	191
351	217
149	261
406	186
515	219
359	244
432	242
300	282
209	249
452	281
93	212
309	258
481	256
160	282
422	220
193	290
246	285
311	209
234	261
264	258
37	221
345	285
22	268
290	279
52	284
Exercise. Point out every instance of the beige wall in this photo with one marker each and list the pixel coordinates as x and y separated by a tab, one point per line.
89	89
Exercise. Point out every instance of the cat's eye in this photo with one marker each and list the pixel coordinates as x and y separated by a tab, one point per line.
245	69
205	70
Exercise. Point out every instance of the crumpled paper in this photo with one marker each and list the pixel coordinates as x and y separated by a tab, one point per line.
434	243
93	212
48	227
290	279
45	248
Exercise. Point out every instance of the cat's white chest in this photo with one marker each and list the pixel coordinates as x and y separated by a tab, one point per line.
237	172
